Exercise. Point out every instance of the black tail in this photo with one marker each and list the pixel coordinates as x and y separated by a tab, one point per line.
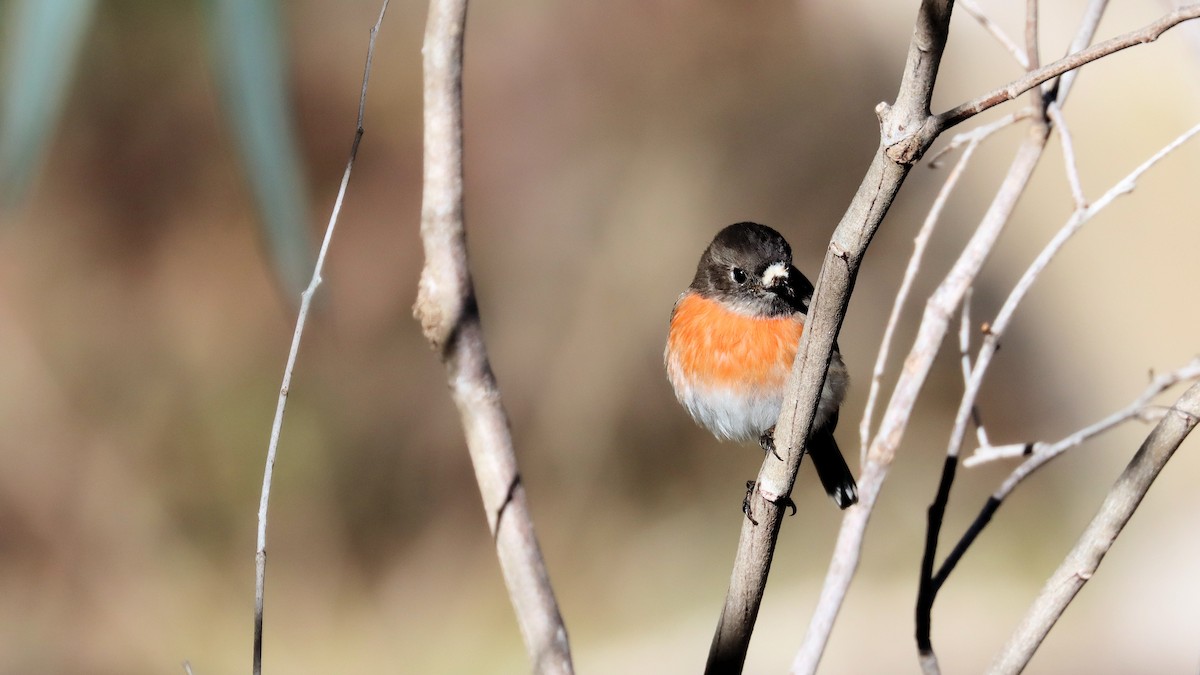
832	470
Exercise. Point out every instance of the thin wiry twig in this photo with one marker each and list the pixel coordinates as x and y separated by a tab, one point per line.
260	558
1042	452
964	335
964	349
1033	60
1069	158
963	138
996	31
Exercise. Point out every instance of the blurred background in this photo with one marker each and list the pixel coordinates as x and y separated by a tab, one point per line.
150	258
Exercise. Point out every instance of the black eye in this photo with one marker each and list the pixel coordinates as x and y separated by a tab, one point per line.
739	277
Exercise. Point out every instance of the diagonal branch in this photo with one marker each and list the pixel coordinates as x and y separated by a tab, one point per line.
449	315
756	545
996	31
920	243
1040	453
1150	33
260	556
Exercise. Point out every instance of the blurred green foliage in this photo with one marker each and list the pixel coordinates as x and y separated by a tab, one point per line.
43	41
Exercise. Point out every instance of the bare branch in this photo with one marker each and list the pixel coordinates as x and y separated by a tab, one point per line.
1017	87
997	32
1088	25
1084	559
910	274
260	557
934	326
997	328
449	315
927	587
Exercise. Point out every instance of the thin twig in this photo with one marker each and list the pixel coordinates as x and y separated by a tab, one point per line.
997	32
1069	158
964	348
978	133
910	274
964	335
1031	35
971	139
1145	35
449	314
1084	559
1042	452
260	557
929	583
926	593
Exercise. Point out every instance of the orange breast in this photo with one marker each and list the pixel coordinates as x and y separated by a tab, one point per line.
712	346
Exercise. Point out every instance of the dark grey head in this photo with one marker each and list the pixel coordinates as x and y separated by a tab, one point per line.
749	266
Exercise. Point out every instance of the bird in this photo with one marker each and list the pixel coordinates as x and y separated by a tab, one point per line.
733	337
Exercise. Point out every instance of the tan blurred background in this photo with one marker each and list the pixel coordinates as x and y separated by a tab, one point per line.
142	340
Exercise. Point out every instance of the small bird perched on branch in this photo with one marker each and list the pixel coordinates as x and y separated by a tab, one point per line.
733	338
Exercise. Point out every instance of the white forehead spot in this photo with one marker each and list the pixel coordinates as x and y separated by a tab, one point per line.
774	274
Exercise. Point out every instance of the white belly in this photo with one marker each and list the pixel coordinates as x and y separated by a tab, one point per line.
737	415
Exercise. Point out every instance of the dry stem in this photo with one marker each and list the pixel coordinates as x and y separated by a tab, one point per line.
449	316
260	557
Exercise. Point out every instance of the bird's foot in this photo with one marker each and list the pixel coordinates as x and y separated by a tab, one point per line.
767	441
783	502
